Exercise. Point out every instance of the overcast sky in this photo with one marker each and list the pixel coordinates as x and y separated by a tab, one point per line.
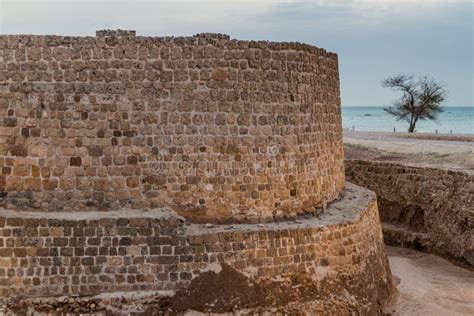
373	39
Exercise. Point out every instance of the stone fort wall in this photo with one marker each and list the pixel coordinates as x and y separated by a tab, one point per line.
212	127
332	263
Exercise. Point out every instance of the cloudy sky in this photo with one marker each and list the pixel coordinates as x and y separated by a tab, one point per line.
374	39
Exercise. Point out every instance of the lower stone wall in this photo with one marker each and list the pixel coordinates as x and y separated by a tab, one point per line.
424	208
78	262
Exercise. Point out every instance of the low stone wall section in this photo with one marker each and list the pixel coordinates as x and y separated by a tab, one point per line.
426	208
334	261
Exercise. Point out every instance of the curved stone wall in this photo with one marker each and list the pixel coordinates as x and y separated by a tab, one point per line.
213	127
331	263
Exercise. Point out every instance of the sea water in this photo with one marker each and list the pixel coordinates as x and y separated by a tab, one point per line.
455	119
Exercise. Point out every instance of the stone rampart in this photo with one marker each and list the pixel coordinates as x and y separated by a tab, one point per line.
424	208
116	149
213	127
333	262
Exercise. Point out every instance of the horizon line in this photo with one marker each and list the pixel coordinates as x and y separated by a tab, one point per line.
381	105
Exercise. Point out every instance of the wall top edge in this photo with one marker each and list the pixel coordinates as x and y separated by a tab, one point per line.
119	35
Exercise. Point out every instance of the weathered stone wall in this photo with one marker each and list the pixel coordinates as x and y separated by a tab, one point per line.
425	208
214	128
148	129
334	262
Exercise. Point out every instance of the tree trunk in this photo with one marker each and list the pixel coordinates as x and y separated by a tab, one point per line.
413	121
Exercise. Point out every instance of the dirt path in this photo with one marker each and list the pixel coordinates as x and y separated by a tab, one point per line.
430	285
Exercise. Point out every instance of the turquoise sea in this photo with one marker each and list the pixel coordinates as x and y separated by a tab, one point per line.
458	119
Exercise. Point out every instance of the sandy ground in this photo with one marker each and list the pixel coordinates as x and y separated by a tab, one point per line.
446	153
411	144
430	285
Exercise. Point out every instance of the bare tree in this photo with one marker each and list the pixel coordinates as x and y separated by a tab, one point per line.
421	99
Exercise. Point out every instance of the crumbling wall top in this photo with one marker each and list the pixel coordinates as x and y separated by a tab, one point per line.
212	35
115	33
123	33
